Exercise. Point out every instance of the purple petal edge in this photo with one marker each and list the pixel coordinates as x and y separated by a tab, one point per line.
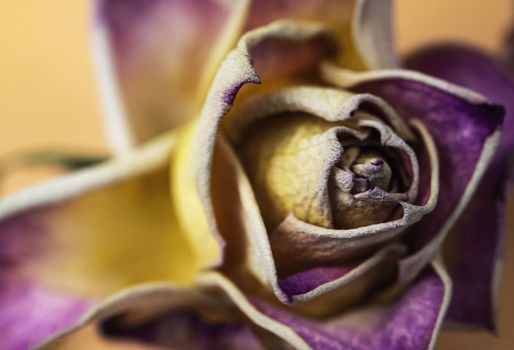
410	323
305	281
481	234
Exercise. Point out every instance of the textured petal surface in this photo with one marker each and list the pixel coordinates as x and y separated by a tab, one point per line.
342	284
72	241
362	28
152	57
476	244
410	322
465	126
211	314
244	65
214	312
155	58
191	179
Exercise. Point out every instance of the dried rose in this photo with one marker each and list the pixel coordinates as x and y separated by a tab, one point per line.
319	199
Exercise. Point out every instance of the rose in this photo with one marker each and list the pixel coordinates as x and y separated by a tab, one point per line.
371	227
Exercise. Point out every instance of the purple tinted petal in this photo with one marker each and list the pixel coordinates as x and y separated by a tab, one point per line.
58	258
409	323
475	70
156	53
460	129
477	245
29	313
307	280
479	239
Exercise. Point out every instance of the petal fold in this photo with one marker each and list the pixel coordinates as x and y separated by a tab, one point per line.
68	243
213	312
466	128
196	148
362	28
476	244
153	59
410	322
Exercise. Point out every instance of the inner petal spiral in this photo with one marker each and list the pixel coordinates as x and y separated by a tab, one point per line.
333	175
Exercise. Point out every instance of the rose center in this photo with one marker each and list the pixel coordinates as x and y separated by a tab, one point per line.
332	175
367	169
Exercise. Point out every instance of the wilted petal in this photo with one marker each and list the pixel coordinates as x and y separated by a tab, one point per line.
212	313
25	305
410	322
215	307
192	164
475	70
362	28
70	242
477	242
465	127
343	282
240	68
154	57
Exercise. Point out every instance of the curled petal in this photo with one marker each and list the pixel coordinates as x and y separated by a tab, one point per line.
191	178
235	72
372	34
213	311
465	126
474	70
70	242
151	56
340	285
145	52
362	28
409	322
260	258
476	243
332	105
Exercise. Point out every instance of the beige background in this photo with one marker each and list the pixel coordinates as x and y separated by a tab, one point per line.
48	96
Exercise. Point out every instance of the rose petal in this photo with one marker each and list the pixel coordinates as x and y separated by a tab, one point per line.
411	322
191	177
479	235
343	285
465	126
297	174
372	34
475	70
145	59
71	241
27	306
298	243
363	29
212	312
258	259
240	68
330	104
152	57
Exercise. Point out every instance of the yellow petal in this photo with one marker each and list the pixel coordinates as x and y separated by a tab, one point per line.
201	234
97	231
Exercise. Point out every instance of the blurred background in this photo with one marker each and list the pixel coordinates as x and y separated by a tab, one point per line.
48	97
